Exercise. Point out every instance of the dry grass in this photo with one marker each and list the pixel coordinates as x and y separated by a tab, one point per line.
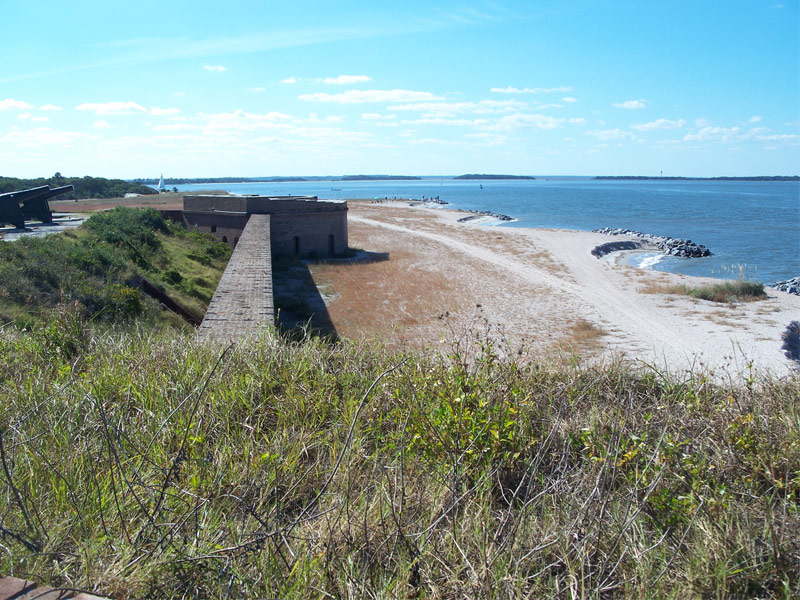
725	292
582	338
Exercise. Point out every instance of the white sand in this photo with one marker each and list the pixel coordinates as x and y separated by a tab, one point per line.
535	282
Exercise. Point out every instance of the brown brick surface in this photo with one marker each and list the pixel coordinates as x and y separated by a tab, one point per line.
243	302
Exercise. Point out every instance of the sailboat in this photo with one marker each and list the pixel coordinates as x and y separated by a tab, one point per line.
161	183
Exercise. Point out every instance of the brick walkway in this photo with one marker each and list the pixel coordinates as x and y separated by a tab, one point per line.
12	588
243	303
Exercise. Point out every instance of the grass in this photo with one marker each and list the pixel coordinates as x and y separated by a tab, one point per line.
145	464
138	461
724	292
98	264
582	337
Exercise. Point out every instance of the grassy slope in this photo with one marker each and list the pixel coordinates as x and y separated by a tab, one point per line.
97	264
140	464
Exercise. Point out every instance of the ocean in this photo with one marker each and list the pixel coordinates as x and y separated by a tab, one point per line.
751	227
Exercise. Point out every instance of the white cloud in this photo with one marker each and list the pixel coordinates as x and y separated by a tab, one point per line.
163	112
377	117
10	103
755	119
290	80
179	93
513	90
363	96
346	79
659	124
40	137
780	137
444	121
569	99
577	120
631	104
216	68
451	108
112	108
607	135
488	139
545	106
702	122
101	124
50	107
714	134
26	116
522	121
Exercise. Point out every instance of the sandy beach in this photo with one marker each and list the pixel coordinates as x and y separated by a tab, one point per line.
537	292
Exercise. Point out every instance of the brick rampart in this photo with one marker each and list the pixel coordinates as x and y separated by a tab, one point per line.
243	303
301	225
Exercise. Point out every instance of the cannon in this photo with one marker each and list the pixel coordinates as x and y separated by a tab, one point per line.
25	205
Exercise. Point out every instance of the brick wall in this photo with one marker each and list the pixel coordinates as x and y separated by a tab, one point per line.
301	225
243	303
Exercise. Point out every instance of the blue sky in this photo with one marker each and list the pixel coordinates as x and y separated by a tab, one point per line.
584	87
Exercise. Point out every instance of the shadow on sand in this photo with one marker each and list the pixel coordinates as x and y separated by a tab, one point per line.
300	307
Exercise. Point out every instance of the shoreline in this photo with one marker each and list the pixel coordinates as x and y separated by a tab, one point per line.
539	292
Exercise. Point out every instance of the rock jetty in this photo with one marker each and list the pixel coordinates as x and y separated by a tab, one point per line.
791	341
790	286
668	245
485	213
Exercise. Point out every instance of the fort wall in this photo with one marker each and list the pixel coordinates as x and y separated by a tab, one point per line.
300	225
243	302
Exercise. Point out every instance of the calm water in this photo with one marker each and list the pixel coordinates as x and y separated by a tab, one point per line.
749	226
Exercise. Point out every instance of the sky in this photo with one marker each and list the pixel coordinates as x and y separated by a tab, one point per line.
264	88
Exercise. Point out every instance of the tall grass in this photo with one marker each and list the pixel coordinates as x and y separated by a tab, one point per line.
143	464
724	292
96	266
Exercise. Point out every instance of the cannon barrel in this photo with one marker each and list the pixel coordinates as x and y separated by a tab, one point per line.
53	192
34	204
22	195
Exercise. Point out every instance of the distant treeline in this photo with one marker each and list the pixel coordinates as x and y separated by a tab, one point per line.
476	176
380	178
190	180
649	178
85	187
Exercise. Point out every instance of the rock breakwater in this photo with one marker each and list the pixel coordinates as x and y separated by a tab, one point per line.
790	286
484	213
667	245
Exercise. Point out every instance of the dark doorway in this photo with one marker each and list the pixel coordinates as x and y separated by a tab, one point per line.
331	244
296	245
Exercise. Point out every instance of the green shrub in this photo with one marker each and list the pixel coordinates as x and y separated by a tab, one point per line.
730	291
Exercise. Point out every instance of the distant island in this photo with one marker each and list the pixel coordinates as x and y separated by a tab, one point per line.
379	178
655	178
170	181
191	180
472	176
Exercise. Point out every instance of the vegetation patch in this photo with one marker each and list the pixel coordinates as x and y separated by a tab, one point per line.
143	464
84	187
726	291
96	267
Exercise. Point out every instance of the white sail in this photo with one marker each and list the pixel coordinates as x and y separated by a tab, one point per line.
161	182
